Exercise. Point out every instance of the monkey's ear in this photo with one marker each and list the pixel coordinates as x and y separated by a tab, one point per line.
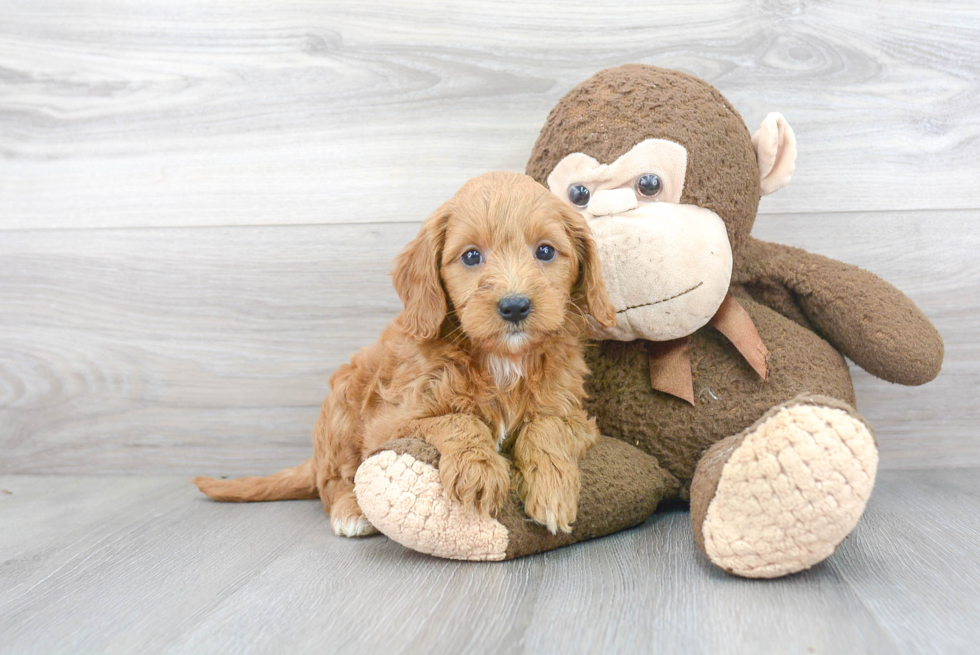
775	150
589	285
415	275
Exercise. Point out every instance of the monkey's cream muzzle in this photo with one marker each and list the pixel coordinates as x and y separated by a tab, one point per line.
666	267
608	202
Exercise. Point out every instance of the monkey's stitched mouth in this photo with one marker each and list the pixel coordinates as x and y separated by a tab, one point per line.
657	302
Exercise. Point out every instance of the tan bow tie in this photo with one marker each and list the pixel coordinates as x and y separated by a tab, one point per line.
670	361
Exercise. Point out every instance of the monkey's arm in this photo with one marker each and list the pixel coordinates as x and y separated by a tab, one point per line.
864	317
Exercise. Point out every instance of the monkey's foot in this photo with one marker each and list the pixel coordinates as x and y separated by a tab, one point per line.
400	492
782	495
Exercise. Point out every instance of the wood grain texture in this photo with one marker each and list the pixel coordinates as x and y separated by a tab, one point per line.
198	207
181	349
207	350
122	113
911	542
148	565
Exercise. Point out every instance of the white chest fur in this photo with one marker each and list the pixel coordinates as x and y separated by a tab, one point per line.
505	371
501	435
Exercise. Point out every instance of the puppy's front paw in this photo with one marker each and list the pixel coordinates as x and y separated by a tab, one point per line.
476	478
550	494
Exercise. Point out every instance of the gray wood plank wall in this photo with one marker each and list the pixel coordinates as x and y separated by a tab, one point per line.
198	206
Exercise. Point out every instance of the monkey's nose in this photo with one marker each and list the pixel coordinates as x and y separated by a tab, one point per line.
514	308
607	202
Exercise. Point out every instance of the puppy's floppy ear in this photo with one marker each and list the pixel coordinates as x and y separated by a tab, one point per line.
416	278
589	283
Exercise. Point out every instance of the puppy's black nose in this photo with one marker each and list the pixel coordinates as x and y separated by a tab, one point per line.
514	308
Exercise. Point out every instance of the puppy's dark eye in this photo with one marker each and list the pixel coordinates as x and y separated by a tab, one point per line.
579	195
545	253
649	185
472	258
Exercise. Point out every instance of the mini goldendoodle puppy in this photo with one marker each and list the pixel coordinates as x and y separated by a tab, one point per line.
484	361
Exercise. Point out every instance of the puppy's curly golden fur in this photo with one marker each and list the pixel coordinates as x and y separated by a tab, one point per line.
476	377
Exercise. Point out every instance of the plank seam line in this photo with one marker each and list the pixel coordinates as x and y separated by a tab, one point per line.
219	226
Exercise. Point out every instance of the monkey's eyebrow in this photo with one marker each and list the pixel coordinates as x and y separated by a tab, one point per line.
657	302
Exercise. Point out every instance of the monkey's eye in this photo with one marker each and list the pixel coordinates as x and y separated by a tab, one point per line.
579	195
545	253
471	258
649	185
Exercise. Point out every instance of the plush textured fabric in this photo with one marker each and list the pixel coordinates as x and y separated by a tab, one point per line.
612	111
620	488
808	310
660	292
775	145
729	394
668	160
783	494
866	318
399	490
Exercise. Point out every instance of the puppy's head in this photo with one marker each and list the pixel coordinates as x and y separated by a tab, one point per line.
513	262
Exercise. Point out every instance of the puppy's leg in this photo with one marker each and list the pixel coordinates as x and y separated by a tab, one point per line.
346	517
472	471
546	455
337	446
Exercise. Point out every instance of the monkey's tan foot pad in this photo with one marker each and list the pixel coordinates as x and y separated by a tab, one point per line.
400	492
782	495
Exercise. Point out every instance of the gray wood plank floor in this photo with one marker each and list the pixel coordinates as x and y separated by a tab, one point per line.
148	565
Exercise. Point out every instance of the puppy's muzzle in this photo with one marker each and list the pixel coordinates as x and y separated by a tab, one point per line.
514	308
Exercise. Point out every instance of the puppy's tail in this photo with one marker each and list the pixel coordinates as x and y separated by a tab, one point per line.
295	483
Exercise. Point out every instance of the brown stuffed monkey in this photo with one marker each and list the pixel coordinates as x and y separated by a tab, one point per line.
723	381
